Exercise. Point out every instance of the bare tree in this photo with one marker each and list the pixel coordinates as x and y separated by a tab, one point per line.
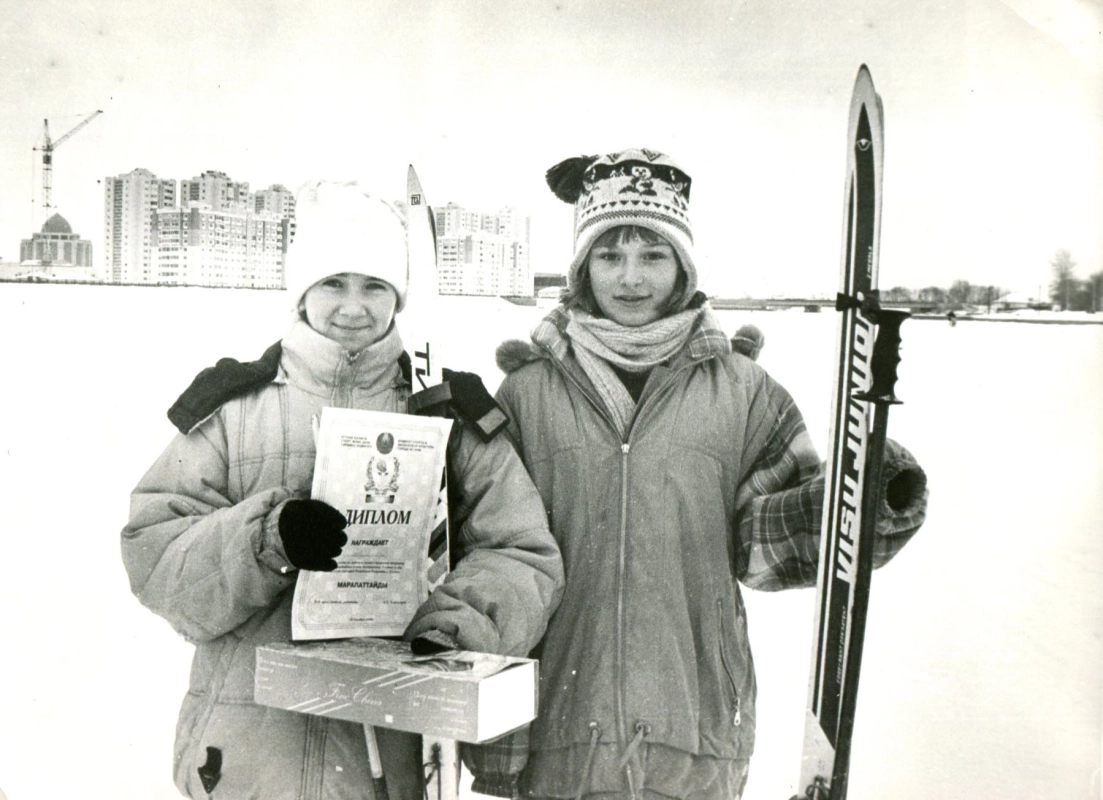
899	294
960	292
1063	285
985	295
932	294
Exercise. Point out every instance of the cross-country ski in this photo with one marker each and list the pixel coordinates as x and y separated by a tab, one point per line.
864	380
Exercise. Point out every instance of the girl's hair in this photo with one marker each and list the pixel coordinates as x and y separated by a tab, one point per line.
581	294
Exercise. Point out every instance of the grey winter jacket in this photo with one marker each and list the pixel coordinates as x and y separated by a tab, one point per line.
202	549
646	673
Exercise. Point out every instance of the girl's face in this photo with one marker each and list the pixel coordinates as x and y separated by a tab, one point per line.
353	309
633	280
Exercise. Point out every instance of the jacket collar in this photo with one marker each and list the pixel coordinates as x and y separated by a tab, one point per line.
320	365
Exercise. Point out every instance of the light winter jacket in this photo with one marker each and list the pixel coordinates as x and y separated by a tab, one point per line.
647	680
202	549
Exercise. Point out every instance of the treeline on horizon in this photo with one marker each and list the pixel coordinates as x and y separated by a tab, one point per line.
1066	291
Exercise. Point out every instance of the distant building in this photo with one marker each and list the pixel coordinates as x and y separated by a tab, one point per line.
201	246
129	224
56	253
545	280
278	200
216	190
483	254
214	232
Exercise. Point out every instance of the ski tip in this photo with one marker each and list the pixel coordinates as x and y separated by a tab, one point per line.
864	79
413	187
865	95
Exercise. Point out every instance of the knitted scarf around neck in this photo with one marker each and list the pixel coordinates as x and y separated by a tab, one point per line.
598	343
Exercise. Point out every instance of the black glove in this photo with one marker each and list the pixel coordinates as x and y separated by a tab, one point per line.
904	488
313	534
474	404
432	642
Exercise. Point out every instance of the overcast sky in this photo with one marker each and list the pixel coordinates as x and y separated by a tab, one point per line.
994	116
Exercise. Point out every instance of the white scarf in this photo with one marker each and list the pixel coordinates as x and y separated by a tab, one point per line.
599	342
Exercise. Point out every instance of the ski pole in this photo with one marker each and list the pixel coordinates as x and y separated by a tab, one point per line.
880	395
375	763
442	779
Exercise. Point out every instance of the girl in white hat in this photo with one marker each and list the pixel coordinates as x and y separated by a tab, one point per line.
223	521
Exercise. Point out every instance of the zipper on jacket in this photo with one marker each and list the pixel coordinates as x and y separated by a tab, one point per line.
622	557
737	718
625	447
344	375
285	435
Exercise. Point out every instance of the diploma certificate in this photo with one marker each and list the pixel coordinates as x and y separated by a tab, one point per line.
385	473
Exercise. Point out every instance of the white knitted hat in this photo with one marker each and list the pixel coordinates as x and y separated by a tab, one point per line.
632	187
340	227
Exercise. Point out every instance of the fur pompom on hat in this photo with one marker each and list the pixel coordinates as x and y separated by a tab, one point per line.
632	187
341	227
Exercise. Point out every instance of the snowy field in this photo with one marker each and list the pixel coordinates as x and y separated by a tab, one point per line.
984	659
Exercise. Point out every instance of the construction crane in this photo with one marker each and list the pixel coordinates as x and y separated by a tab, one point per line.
47	150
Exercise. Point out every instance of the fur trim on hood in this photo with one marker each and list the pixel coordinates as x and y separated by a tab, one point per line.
513	354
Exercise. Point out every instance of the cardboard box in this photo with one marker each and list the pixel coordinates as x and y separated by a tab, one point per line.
460	695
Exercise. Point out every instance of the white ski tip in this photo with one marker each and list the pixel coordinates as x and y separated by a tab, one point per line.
414	194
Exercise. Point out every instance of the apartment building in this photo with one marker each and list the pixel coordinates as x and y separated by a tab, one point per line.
216	190
212	232
201	246
483	254
129	224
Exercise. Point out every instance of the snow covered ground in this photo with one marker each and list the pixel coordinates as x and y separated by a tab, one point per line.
984	659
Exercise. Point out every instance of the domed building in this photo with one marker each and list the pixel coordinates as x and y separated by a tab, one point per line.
56	246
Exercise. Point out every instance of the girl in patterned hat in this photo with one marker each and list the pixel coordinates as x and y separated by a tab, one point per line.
672	470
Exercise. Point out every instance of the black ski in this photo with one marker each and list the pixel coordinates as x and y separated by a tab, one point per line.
864	388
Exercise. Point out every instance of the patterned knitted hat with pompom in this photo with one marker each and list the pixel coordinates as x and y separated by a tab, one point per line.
631	187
